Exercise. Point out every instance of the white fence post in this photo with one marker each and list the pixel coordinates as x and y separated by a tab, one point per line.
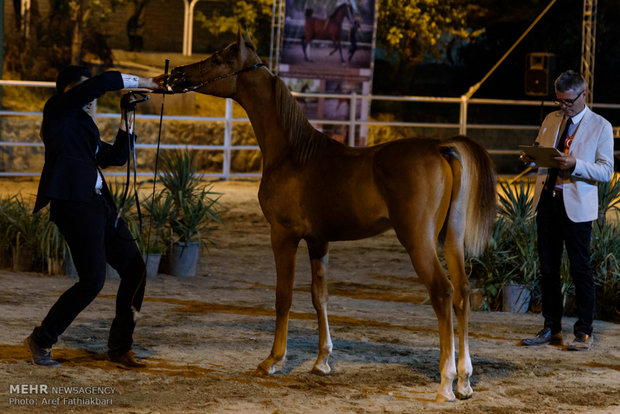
352	118
463	116
227	139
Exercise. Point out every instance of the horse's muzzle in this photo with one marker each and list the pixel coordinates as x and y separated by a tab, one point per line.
178	80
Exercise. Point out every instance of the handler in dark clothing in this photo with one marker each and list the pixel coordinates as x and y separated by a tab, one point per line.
83	209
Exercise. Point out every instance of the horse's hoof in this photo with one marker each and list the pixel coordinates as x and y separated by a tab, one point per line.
321	369
264	369
464	396
463	390
449	397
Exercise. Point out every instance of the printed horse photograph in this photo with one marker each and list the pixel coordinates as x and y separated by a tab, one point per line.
330	28
330	33
318	190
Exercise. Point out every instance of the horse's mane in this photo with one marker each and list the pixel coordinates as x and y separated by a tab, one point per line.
303	138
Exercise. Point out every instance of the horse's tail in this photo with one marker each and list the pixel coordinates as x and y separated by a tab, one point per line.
474	200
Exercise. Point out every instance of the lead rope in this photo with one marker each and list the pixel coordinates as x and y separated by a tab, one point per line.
136	313
131	143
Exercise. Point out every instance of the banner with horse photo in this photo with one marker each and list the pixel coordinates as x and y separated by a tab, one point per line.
328	47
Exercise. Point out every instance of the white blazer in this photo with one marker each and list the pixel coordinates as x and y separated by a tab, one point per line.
593	148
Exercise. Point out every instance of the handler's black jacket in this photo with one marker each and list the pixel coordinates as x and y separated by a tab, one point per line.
71	138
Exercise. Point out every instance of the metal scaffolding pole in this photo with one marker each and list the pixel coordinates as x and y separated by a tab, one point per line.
588	46
277	25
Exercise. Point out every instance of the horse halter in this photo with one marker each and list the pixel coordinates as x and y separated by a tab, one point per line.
218	78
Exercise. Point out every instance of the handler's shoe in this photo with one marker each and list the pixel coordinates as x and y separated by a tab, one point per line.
38	355
543	337
126	359
582	342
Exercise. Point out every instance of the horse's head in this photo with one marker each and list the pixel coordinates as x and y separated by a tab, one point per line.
217	75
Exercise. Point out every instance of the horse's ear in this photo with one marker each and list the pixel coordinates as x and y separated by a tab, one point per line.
248	40
241	47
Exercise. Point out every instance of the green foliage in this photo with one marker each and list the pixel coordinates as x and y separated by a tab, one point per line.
605	248
512	251
413	28
608	197
156	229
22	232
255	16
194	207
68	34
117	191
511	256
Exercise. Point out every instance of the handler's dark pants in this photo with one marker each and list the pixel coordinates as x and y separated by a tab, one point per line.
555	229
88	228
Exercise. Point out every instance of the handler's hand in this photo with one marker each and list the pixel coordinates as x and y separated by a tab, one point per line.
154	83
565	162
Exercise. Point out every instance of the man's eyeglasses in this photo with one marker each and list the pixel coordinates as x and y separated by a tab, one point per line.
568	102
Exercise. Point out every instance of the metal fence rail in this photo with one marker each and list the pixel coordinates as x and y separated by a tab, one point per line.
352	123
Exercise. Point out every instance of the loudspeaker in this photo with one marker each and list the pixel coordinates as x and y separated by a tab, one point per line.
538	68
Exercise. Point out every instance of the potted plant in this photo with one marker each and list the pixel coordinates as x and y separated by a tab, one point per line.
7	211
194	209
125	206
155	229
53	248
24	231
509	265
516	206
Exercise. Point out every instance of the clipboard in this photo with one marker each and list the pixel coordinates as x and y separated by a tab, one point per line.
543	156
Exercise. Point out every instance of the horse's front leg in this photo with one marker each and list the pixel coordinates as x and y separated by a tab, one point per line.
318	261
284	247
303	47
340	51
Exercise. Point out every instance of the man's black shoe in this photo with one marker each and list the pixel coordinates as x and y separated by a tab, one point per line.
126	359
38	355
543	337
582	342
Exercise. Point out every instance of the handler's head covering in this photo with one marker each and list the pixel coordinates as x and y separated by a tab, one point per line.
70	75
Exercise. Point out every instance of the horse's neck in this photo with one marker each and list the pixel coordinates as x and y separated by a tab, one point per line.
258	99
338	16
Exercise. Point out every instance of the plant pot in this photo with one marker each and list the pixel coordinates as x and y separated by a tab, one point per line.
475	299
183	258
69	268
515	298
23	259
110	272
152	261
475	296
5	257
54	266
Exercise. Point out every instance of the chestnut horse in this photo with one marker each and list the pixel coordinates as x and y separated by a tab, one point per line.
326	29
316	189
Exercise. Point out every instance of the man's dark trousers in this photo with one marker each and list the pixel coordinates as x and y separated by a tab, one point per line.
554	230
88	228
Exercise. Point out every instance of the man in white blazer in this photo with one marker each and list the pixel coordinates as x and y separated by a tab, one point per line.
566	199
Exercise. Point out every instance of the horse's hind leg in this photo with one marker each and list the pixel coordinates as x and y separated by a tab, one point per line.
318	261
427	266
285	250
418	237
453	251
337	48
